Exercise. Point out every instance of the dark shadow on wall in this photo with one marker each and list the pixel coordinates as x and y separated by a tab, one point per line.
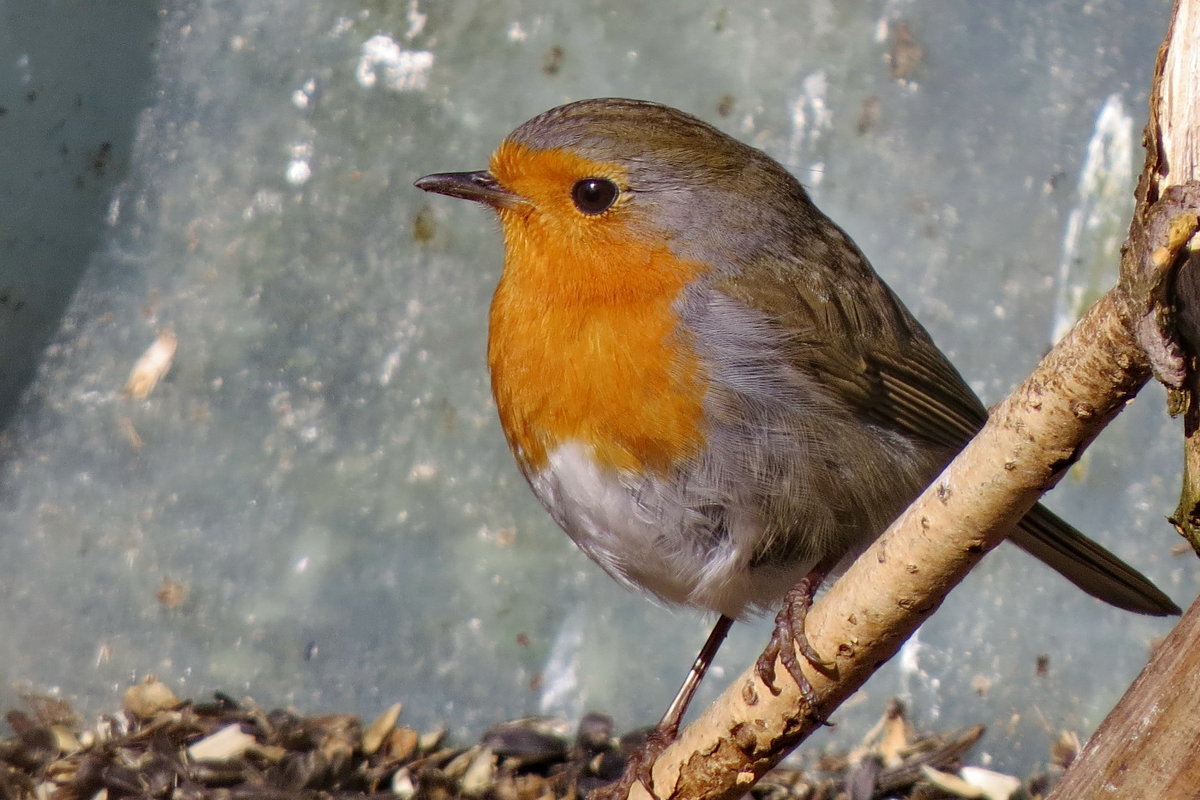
74	77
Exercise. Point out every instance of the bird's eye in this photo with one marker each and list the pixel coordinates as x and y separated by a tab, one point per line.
594	195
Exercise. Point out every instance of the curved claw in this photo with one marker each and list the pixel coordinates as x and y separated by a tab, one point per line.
639	768
789	637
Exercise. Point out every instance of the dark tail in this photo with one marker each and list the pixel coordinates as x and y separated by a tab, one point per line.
1088	565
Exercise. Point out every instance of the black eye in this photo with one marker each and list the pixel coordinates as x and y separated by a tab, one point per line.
594	195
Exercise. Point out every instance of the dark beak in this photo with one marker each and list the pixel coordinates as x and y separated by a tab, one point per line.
478	186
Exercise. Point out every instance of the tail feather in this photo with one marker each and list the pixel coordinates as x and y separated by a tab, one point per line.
1088	565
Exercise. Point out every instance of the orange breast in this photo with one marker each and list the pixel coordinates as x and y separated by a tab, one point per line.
584	344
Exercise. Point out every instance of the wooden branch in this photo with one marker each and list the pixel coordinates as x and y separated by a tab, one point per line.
1173	150
1147	746
1029	442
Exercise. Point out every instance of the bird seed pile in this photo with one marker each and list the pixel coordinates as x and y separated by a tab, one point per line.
161	748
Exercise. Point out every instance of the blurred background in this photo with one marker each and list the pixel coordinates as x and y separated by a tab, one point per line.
315	505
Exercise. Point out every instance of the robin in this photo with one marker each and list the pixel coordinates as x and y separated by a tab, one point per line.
705	382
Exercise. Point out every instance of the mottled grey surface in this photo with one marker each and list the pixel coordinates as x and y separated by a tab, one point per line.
322	468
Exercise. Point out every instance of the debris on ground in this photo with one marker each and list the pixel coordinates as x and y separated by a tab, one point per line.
162	748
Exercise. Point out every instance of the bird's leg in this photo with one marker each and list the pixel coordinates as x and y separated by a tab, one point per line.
789	636
673	718
640	766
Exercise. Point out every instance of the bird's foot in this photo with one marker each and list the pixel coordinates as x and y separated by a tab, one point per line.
789	637
639	767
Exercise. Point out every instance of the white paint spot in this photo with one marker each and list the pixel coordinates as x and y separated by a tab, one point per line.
562	695
298	172
910	655
1096	224
401	70
298	169
416	21
811	118
302	97
881	30
423	471
816	171
390	362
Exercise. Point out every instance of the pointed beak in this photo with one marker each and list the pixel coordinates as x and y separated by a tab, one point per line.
480	186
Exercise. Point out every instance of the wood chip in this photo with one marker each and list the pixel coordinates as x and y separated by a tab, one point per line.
150	368
951	783
994	785
227	743
380	729
148	698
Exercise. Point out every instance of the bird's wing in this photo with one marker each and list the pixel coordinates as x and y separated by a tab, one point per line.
853	333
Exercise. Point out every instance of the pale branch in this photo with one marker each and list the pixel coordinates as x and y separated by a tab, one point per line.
1147	745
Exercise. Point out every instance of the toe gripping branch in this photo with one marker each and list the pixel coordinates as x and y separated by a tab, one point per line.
789	637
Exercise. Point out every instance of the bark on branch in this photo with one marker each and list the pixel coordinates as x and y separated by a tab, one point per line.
1147	746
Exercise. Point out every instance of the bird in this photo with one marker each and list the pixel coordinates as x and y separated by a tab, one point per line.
705	382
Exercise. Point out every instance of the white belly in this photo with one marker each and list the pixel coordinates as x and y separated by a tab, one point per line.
645	533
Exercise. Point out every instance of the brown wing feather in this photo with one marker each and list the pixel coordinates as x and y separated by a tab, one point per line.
859	341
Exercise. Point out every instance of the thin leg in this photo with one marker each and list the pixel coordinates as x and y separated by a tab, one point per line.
673	718
640	766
